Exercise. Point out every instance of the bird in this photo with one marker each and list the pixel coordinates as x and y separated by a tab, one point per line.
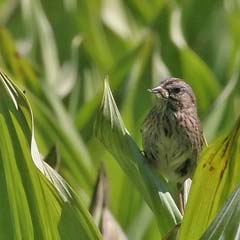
172	134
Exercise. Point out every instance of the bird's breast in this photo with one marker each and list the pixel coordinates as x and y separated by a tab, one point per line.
166	145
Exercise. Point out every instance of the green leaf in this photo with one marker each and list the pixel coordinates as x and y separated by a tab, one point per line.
38	25
226	224
201	78
94	33
12	61
213	120
76	222
74	155
23	188
216	176
110	130
147	11
32	204
137	84
233	16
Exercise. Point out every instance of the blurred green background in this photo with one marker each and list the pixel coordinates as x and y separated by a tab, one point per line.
60	51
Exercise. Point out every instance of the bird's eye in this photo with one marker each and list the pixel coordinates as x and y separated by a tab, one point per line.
176	90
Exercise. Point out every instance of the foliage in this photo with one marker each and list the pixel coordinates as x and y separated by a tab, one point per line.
58	53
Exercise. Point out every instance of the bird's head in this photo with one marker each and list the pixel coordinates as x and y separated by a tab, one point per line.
175	94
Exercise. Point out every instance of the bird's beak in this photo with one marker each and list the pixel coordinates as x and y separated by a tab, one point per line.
159	92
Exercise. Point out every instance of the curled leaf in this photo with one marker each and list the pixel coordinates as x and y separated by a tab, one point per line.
110	130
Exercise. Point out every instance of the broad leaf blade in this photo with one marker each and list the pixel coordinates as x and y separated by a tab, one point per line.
23	188
206	89
226	224
31	206
111	131
217	175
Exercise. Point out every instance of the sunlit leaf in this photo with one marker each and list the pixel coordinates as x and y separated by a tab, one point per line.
217	175
137	43
226	224
31	189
